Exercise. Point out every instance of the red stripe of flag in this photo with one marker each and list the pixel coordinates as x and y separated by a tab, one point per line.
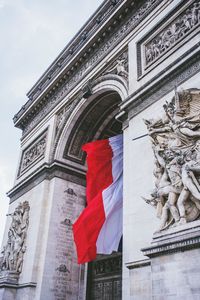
86	229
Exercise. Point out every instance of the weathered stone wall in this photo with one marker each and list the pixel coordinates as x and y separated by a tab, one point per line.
62	275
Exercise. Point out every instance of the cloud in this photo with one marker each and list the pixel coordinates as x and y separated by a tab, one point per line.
32	34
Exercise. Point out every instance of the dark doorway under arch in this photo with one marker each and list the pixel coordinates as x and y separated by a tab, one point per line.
104	280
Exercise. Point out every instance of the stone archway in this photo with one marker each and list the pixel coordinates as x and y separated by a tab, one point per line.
94	118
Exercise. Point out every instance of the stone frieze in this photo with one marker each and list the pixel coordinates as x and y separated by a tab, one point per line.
173	33
33	153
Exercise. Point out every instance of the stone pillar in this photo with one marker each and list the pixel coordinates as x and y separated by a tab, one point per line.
50	269
175	261
62	277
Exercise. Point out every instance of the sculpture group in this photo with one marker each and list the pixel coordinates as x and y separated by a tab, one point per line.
174	32
175	140
15	248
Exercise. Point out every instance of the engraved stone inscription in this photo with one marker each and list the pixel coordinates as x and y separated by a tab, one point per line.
64	278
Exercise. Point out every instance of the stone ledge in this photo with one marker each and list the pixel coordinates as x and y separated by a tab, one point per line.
17	286
138	264
175	239
47	172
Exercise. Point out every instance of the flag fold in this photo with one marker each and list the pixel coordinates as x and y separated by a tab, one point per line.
99	227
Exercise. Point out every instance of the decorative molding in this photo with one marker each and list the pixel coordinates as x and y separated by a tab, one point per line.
64	113
33	153
77	43
17	285
175	239
125	21
142	68
138	264
173	247
47	172
61	119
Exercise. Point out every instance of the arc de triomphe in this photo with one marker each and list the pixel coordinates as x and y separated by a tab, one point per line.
133	68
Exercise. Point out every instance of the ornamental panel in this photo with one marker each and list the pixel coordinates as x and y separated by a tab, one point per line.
171	33
33	153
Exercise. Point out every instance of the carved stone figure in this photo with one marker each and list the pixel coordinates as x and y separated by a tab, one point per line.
33	153
171	34
15	248
119	68
175	140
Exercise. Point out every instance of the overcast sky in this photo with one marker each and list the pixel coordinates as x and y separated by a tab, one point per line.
33	33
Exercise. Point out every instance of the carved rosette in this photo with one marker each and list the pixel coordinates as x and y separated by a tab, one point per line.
175	139
13	252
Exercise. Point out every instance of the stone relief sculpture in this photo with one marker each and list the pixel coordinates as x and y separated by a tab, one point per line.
120	66
15	248
174	32
33	153
175	141
119	69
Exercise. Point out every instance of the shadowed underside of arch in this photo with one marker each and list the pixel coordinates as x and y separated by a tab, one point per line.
97	121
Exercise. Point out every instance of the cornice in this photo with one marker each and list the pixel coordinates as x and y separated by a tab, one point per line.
99	17
173	247
127	15
47	172
138	264
80	40
177	239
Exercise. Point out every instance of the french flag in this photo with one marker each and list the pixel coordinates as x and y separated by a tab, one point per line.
98	229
